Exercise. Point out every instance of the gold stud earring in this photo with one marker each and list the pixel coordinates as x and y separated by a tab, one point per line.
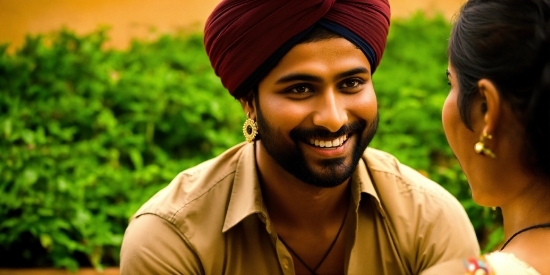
480	146
250	129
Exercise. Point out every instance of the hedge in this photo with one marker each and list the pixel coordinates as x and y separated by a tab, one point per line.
88	134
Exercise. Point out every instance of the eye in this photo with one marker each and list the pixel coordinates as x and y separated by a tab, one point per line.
300	89
351	83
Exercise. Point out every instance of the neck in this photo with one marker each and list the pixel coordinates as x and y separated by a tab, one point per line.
291	202
528	208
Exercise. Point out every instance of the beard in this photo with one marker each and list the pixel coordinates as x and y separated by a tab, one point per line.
329	172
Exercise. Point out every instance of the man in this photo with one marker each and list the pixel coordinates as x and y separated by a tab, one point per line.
305	195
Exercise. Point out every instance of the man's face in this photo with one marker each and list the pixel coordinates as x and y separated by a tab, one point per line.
317	111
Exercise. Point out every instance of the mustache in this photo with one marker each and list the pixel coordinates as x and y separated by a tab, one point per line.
321	132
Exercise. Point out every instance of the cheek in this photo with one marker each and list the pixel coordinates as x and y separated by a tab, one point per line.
450	118
458	136
281	113
365	104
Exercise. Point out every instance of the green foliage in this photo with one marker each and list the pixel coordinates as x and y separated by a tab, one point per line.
87	134
411	86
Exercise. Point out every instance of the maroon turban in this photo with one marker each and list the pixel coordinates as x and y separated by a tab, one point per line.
244	39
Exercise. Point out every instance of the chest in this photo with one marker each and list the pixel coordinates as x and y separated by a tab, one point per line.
319	255
363	247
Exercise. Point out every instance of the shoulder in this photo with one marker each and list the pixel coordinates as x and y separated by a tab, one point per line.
198	196
154	246
429	223
495	263
188	215
403	191
503	263
191	185
404	179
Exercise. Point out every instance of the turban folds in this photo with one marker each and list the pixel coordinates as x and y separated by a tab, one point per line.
244	39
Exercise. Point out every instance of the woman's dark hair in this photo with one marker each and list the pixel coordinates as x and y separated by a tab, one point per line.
508	43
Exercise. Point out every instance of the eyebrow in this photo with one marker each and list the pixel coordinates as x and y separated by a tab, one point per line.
311	78
448	73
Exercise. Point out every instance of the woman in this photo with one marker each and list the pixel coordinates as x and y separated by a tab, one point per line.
497	121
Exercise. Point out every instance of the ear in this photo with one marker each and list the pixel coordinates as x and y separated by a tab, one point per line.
249	106
492	108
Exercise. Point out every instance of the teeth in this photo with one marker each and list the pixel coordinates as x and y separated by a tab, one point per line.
330	143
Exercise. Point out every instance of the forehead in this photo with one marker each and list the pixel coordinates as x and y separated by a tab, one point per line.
321	57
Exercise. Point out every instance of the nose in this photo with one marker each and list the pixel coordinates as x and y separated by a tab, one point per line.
330	112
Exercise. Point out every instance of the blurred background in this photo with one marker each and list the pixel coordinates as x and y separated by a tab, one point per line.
103	102
130	19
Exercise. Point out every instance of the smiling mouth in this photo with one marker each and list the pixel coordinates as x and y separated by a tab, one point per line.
329	143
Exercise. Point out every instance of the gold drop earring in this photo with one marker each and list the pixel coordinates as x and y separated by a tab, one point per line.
480	146
250	129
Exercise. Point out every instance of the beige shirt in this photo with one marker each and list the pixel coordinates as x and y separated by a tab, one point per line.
211	219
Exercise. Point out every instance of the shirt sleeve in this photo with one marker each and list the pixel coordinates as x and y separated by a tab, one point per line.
152	245
452	267
445	233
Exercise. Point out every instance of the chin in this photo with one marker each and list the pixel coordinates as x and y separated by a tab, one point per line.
484	199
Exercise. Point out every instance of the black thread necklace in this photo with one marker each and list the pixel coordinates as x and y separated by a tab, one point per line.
314	270
542	225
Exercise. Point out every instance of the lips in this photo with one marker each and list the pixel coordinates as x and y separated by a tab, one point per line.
332	143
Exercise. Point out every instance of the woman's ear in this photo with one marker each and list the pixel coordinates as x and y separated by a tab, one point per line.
491	107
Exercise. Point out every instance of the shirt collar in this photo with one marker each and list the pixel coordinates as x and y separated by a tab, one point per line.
246	195
363	182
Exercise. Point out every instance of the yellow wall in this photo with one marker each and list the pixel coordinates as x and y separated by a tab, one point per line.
135	18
